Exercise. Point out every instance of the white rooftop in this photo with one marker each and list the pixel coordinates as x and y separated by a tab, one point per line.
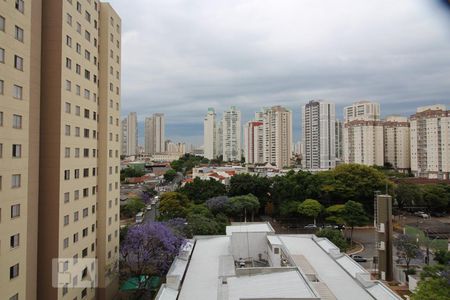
311	268
249	227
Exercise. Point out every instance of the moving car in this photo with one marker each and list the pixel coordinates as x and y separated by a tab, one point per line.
149	207
358	258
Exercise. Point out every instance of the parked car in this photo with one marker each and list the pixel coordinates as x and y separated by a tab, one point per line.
438	214
310	226
139	217
149	207
419	213
339	226
358	258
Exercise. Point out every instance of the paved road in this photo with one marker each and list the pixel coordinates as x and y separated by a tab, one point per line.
366	236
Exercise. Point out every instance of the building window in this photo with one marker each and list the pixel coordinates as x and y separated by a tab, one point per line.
68	107
85	232
66	243
66	174
68	85
78	71
68	41
77	152
69	19
75	237
67	130
16	151
17	92
78	48
18	62
2	24
17	121
14	241
79	28
77	131
16	181
2	55
66	197
77	173
15	297
68	63
18	34
14	271
76	195
77	110
87	16
20	5
79	7
75	216
86	113
2	84
87	35
66	220
15	211
1	118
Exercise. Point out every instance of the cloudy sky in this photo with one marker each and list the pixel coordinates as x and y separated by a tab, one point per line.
182	56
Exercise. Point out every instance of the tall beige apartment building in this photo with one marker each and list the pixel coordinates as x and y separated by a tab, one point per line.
20	46
430	142
155	134
129	132
59	146
363	134
254	142
397	142
210	134
277	136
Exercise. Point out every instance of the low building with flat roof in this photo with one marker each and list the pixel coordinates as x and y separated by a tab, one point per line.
252	262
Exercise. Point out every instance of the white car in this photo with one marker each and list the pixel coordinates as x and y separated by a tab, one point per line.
149	207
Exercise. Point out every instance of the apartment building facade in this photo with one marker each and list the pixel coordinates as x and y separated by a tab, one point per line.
254	142
397	150
231	135
20	56
210	134
277	136
430	142
318	124
130	135
155	134
59	146
339	141
363	134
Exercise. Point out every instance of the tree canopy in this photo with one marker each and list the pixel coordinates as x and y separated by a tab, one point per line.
173	205
310	208
201	190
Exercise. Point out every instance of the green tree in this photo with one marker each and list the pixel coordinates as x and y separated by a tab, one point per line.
201	190
358	183
132	207
435	196
289	208
310	208
241	205
334	213
434	283
199	224
335	236
170	175
407	249
354	215
129	172
442	257
173	205
244	184
407	194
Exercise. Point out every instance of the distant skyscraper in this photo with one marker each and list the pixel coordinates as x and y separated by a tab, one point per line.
130	134
231	135
254	142
397	142
319	126
363	134
210	134
219	138
277	136
155	134
430	142
339	136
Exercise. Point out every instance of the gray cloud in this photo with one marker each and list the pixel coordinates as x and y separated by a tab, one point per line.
180	56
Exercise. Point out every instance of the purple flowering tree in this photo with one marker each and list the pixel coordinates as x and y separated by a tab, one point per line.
217	204
149	249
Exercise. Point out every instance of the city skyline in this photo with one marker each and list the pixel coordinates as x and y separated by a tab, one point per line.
279	65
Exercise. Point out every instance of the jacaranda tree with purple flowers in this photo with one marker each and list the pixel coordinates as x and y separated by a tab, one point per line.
149	249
